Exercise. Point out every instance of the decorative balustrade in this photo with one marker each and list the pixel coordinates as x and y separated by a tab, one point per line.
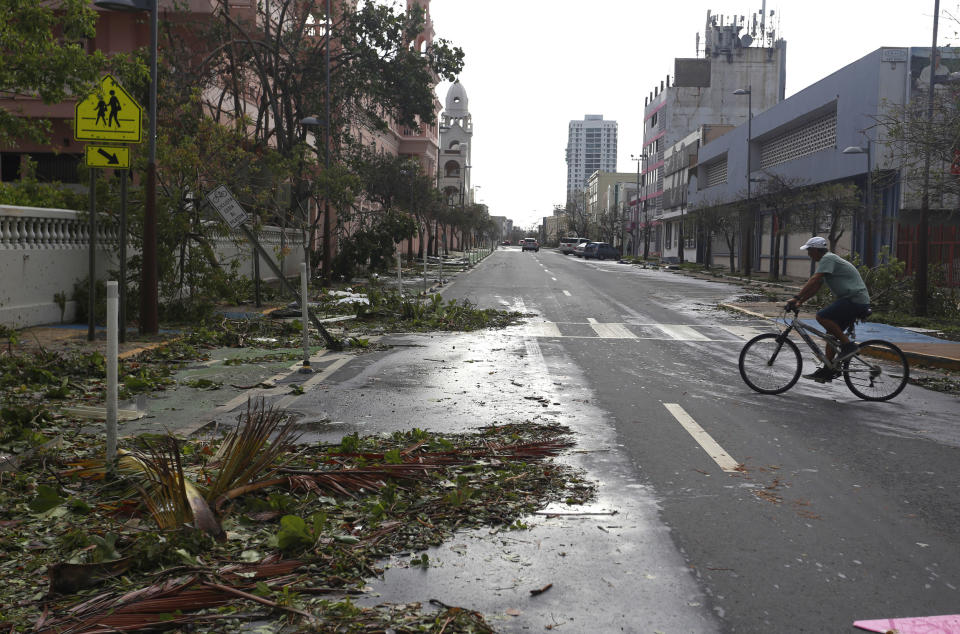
35	228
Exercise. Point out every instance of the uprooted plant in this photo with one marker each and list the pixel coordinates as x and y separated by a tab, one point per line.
254	525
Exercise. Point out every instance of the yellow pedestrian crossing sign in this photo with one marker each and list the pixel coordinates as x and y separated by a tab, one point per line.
102	156
109	114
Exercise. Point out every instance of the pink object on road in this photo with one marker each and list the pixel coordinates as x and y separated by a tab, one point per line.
945	624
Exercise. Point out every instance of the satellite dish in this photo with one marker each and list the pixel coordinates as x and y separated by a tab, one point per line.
746	40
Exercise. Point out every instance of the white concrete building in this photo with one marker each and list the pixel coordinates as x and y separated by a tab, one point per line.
591	147
456	135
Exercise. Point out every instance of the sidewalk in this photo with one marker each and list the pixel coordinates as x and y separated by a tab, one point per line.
919	348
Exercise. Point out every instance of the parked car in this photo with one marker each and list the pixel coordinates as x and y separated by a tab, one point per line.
505	243
529	244
600	251
578	250
568	245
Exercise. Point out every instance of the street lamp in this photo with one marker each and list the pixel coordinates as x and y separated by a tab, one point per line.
327	254
149	313
646	238
868	247
748	241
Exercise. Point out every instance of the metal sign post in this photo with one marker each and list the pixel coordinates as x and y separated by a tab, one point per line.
233	214
108	114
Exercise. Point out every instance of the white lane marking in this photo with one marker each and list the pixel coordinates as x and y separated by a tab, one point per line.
591	320
744	332
682	333
612	331
554	279
714	450
567	293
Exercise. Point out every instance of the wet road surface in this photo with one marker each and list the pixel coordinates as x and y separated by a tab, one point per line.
734	511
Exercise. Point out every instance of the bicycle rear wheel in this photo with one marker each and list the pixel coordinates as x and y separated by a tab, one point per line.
878	372
769	364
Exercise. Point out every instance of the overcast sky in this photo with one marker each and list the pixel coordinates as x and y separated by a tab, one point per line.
533	65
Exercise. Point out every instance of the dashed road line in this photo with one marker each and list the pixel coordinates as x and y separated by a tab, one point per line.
713	449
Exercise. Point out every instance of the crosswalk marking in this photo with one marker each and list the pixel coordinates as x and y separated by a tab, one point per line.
543	329
744	332
682	333
661	332
612	331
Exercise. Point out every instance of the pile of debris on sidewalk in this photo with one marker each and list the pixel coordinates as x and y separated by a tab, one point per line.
255	527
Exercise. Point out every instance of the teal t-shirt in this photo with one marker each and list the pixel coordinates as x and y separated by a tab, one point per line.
843	278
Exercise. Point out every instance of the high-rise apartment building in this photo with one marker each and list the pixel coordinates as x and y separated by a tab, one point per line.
591	146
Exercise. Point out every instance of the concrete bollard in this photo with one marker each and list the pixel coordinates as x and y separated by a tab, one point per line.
305	318
113	352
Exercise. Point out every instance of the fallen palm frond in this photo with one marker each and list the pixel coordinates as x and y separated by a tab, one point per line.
248	453
157	605
67	578
172	499
169	496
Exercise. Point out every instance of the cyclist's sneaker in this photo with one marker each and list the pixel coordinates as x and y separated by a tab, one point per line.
847	350
822	375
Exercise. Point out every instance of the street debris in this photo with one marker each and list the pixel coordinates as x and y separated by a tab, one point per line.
537	591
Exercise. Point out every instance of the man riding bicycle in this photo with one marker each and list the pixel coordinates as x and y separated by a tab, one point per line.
852	301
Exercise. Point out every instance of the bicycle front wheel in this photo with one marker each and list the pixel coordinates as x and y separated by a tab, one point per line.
769	364
878	372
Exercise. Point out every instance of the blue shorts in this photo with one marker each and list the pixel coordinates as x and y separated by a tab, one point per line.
843	312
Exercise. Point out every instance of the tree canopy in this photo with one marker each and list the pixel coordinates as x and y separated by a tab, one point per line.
42	55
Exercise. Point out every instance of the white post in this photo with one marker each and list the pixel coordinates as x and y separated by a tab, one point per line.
113	305
424	249
399	275
305	318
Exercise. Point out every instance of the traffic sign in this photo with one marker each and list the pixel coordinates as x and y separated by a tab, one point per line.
102	156
227	206
108	114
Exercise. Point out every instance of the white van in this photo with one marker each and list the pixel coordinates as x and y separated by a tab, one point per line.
567	245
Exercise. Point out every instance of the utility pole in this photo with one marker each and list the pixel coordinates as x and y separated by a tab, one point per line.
923	239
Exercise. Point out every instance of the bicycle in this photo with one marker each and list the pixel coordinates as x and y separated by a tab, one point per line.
771	364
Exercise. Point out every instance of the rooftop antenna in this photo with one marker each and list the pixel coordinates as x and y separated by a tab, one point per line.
763	23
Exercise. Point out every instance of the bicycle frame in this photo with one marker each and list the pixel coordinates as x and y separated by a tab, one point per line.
805	331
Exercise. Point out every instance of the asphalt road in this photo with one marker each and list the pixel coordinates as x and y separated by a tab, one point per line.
837	509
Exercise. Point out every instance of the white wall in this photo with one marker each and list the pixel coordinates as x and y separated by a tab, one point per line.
44	252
